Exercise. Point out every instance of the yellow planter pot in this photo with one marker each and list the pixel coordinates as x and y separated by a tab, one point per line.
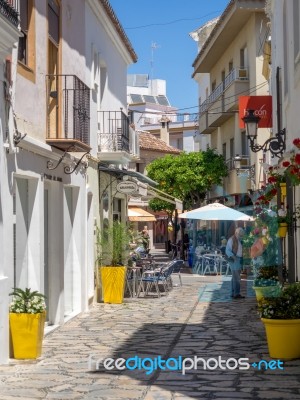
282	229
283	189
266	291
113	283
27	332
283	338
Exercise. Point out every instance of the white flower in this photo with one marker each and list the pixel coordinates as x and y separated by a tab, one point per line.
281	212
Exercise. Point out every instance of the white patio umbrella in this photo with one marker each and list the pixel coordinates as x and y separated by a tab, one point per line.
217	212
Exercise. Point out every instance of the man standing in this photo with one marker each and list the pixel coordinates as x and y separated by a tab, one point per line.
234	251
146	239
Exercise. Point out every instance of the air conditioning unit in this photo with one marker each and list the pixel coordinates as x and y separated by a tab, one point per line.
243	74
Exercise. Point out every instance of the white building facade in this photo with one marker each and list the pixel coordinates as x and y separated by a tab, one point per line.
9	36
228	66
152	112
284	68
69	65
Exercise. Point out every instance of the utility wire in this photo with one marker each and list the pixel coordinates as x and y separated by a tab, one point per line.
249	91
174	21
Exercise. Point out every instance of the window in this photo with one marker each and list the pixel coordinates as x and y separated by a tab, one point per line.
24	23
179	143
230	66
245	145
53	18
213	86
53	67
243	57
223	75
224	150
26	48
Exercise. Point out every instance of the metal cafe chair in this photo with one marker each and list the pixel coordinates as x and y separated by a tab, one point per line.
210	265
149	279
155	277
178	265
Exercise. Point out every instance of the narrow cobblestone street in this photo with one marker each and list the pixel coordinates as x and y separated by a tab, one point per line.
197	319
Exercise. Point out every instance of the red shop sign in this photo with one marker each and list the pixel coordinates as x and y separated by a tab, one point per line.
262	106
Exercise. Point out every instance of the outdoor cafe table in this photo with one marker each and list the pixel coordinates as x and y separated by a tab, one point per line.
217	259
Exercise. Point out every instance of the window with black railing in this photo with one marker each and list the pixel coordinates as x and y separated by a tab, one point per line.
114	131
68	102
9	8
24	23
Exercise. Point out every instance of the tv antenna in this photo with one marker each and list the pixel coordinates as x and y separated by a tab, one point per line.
154	46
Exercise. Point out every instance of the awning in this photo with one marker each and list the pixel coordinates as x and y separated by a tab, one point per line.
152	192
138	214
123	172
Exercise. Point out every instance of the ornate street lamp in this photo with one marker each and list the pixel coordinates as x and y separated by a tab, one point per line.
275	144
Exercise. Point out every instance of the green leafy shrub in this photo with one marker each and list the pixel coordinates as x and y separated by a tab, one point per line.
285	306
27	301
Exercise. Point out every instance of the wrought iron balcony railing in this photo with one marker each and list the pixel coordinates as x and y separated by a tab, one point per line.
236	74
9	8
68	108
113	131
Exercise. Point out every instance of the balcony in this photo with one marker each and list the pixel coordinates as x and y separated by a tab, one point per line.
117	141
8	9
9	21
68	124
223	101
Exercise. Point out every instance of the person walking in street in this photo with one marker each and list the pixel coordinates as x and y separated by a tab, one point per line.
234	251
146	239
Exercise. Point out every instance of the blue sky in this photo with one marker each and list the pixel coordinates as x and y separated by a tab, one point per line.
167	23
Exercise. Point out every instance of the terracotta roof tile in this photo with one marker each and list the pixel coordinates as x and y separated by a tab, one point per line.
150	142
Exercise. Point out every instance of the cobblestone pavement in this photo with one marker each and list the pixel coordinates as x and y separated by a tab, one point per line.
197	319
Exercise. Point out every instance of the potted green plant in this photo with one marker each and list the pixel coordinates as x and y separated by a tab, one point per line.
266	282
283	219
27	314
113	247
281	318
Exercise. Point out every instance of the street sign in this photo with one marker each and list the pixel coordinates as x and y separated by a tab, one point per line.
127	187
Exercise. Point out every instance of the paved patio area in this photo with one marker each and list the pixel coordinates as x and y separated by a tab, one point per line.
198	319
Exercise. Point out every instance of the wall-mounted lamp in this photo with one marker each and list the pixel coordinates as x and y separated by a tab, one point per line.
276	144
248	171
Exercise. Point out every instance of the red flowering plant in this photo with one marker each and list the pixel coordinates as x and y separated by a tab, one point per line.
296	142
267	194
263	237
292	169
288	168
